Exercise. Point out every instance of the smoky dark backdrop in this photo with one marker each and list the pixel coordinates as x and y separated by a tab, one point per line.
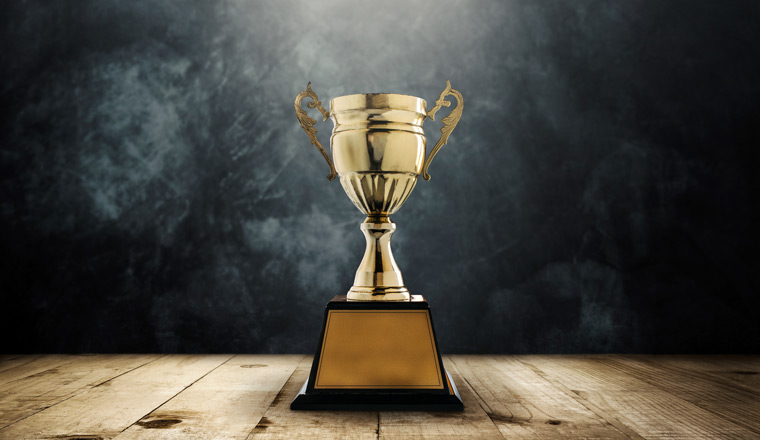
598	195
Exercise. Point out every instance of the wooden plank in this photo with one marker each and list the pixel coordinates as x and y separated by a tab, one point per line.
646	409
279	422
742	371
225	404
42	365
473	423
26	396
106	410
523	404
609	396
8	361
710	392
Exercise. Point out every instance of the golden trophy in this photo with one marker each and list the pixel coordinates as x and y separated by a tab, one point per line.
377	349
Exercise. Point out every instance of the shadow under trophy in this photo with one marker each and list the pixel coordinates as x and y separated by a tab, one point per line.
377	349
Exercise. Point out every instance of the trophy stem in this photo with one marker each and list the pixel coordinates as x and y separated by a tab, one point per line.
378	277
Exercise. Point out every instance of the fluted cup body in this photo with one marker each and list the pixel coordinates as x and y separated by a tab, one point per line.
378	147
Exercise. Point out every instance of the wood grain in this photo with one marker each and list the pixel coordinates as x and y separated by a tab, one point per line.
106	410
33	393
740	371
248	397
713	392
473	423
279	422
37	365
227	403
521	403
649	410
8	361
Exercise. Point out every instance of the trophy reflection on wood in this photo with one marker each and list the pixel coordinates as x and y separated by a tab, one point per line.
377	349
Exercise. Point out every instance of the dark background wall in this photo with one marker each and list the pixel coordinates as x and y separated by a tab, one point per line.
598	194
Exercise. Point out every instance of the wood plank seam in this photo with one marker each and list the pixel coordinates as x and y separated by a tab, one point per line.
524	404
225	404
660	409
750	425
280	422
180	391
691	374
622	427
80	391
128	371
24	361
377	431
277	399
52	366
483	405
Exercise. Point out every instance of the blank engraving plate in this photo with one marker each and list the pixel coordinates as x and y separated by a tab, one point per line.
378	349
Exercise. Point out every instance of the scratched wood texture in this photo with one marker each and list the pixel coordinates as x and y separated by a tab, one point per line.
248	397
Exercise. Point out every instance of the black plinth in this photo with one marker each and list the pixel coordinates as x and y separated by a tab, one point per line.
378	356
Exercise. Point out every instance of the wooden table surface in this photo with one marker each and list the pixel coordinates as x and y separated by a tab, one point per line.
248	396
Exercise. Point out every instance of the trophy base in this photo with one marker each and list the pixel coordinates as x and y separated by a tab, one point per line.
378	401
378	355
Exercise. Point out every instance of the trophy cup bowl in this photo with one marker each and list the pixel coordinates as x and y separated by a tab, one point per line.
378	149
377	349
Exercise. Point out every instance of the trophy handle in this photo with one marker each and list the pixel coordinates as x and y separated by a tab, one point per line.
449	122
307	123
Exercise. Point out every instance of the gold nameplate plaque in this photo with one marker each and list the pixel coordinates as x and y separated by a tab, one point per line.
403	351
